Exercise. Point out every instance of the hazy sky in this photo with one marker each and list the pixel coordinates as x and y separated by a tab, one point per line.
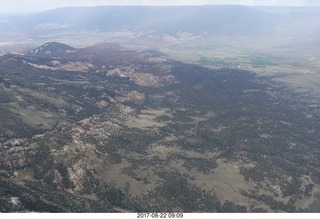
40	5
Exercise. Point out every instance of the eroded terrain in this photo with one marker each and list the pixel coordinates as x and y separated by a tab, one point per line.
123	132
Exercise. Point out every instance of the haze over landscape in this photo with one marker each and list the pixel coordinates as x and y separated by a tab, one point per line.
15	6
160	106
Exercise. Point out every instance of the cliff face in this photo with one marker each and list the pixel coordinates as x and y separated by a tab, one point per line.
37	197
33	178
15	154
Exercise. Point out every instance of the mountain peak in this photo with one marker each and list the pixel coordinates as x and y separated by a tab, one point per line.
52	50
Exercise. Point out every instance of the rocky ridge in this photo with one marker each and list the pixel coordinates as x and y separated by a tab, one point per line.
152	136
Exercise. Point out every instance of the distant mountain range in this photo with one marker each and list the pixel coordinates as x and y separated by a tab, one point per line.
212	20
287	32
